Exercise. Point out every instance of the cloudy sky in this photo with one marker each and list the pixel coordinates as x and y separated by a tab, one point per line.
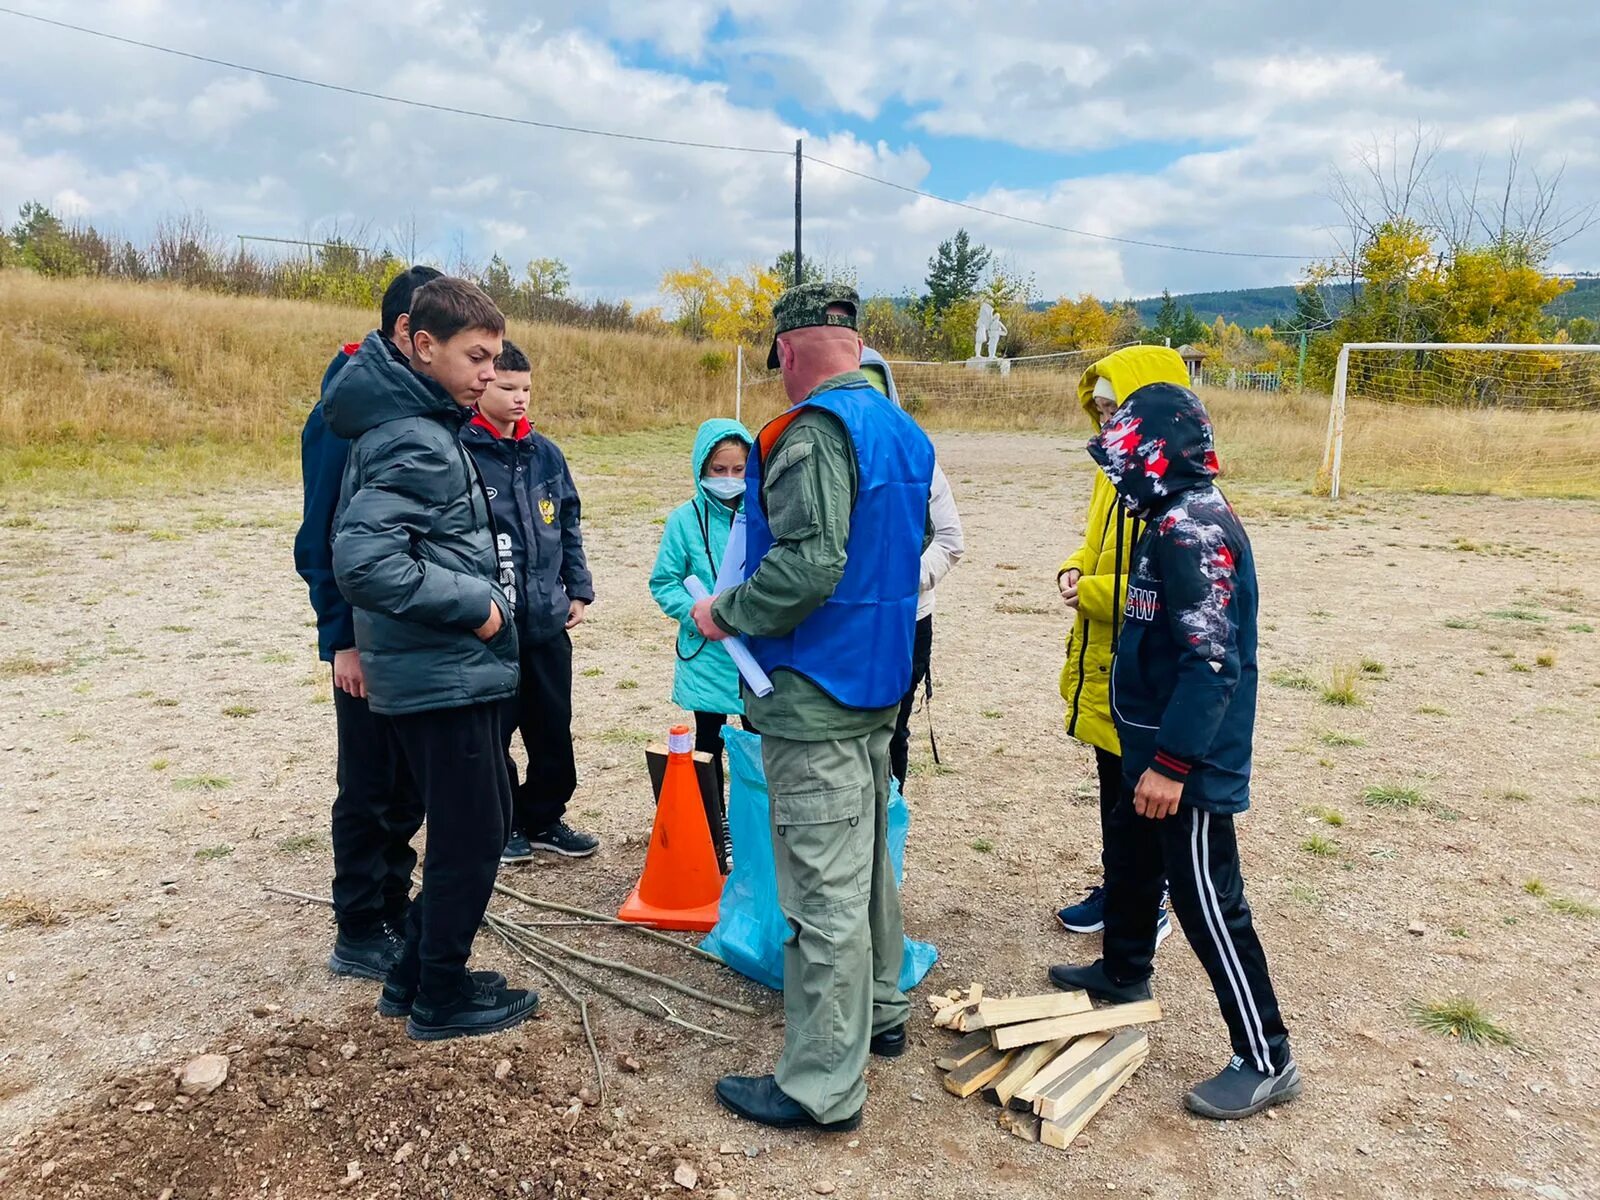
1210	125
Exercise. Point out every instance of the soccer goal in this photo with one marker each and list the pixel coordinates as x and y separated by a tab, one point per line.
1460	375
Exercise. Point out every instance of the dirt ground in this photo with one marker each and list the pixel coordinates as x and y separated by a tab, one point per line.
166	749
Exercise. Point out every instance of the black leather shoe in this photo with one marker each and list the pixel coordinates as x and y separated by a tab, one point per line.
1100	986
481	1010
397	998
891	1043
759	1098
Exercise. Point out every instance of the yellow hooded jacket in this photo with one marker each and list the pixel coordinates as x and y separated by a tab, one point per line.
1108	541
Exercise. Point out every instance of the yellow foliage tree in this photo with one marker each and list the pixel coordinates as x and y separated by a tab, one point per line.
727	308
1077	324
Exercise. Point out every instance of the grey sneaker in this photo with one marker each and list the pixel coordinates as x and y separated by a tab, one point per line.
1238	1091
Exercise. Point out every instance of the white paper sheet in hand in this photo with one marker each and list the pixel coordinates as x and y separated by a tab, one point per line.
730	572
749	668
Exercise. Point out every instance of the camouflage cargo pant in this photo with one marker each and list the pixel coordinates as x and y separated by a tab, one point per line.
841	964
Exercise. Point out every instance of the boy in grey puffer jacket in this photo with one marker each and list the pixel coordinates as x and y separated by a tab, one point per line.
413	552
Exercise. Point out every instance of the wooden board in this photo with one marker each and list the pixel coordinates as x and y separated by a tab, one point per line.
1127	1046
1004	1085
1077	1050
951	1015
1115	1016
963	1051
1060	1132
1017	1009
705	773
975	1075
1021	1125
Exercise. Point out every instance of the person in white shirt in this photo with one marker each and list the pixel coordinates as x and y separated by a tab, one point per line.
942	553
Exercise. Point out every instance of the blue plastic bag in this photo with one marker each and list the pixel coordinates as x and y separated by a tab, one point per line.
751	929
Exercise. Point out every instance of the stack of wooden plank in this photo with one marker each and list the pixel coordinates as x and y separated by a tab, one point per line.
1050	1062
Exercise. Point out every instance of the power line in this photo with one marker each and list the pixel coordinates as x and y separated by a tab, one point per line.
639	137
1103	237
258	237
351	91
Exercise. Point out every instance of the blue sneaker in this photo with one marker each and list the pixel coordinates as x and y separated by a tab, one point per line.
518	849
1087	915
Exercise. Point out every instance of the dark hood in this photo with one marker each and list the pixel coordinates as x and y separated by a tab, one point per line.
1157	445
378	385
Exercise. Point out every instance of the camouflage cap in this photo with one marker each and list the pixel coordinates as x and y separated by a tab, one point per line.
806	305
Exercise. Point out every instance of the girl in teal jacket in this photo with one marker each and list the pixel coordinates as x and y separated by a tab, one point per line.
706	682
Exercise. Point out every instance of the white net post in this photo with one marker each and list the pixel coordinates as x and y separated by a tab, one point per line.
738	383
1333	452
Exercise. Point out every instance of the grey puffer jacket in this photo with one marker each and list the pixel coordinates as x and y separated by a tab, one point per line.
413	542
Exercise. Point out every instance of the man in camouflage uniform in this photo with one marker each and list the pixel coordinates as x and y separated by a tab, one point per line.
837	517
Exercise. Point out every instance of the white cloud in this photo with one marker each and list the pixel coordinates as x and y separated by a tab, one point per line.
227	103
1215	126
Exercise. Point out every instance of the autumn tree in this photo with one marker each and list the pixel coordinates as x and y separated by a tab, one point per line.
736	307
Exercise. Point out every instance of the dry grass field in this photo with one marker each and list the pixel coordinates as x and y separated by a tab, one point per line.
1420	847
111	388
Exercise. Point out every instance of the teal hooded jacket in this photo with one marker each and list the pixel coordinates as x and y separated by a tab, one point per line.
692	544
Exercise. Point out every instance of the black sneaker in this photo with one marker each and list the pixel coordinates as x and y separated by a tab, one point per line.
518	850
566	841
366	958
482	1010
1238	1091
397	998
1100	986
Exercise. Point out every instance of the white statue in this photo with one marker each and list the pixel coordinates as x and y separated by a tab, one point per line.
990	329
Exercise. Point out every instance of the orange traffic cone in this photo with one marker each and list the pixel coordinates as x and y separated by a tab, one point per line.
681	887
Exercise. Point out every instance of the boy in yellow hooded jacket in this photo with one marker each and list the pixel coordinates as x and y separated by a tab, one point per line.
1094	584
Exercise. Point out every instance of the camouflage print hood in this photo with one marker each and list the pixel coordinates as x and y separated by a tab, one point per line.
1157	445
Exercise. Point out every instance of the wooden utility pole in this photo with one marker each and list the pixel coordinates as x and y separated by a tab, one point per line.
799	158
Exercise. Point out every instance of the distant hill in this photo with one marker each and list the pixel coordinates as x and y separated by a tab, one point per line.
1251	307
1582	301
1248	307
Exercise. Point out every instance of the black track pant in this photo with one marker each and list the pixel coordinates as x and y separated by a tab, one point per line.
542	711
1197	853
900	743
375	815
457	760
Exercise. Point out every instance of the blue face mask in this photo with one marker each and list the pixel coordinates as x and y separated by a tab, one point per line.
723	487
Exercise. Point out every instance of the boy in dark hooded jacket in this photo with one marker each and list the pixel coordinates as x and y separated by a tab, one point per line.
538	527
414	554
1183	696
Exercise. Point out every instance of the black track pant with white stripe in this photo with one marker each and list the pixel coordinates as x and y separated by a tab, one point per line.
1195	852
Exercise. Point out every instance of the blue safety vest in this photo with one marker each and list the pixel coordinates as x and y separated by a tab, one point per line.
857	646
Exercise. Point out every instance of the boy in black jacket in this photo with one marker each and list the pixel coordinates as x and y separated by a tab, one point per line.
1183	695
414	554
542	566
376	811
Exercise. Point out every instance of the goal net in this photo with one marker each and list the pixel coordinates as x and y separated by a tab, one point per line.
1506	396
1038	391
